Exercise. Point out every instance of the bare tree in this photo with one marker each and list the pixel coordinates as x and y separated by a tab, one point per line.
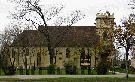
125	37
132	5
6	40
26	8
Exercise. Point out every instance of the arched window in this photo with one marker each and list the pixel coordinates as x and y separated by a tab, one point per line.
38	59
13	53
67	53
82	51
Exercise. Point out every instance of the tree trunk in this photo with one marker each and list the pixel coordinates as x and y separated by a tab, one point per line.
127	62
45	31
89	59
51	53
26	65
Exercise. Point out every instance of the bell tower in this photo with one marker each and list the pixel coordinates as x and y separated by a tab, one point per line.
104	28
104	24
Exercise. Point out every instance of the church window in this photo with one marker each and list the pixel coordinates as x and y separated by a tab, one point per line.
67	53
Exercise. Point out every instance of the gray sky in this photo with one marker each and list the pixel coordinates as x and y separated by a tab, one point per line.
120	9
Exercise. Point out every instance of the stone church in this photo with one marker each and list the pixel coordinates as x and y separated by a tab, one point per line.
76	45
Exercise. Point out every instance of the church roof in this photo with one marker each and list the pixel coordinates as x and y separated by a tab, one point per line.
60	36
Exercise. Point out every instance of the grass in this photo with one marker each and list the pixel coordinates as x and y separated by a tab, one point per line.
118	69
62	72
44	72
103	79
1	72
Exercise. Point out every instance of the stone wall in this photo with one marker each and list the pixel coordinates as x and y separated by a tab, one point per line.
40	56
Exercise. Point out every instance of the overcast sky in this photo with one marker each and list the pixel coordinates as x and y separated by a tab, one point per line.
120	9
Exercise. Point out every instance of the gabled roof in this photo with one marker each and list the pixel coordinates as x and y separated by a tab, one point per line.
61	36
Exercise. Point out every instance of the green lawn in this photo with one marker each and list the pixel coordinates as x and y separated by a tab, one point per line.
45	72
73	80
62	72
118	69
1	72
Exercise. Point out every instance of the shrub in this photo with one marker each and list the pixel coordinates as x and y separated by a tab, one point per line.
123	66
58	70
21	70
33	70
102	68
70	69
40	70
9	70
82	70
132	70
51	69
